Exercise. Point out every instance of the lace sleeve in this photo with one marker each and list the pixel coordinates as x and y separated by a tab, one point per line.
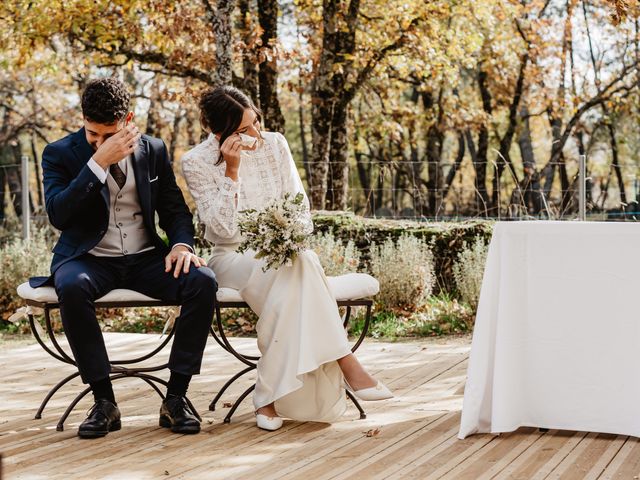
291	181
214	193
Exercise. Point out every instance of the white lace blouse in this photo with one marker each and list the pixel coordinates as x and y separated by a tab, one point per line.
265	174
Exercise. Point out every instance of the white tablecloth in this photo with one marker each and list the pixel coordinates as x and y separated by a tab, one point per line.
557	336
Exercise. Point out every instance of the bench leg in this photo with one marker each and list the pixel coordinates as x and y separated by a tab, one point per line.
72	405
363	415
222	340
212	405
52	392
227	419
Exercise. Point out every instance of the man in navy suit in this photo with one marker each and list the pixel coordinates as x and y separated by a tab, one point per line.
103	186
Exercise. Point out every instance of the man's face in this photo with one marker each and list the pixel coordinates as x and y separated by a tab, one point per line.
97	133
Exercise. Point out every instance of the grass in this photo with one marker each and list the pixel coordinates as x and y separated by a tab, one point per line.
442	315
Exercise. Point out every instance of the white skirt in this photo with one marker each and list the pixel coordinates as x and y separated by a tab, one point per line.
300	333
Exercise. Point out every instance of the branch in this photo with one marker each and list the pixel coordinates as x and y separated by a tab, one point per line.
374	60
602	96
544	8
171	69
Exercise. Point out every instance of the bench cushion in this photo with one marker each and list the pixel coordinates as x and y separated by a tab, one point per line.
351	286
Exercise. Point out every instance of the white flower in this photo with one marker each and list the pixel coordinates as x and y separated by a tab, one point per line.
276	232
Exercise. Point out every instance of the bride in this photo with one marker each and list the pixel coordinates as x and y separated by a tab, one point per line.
304	348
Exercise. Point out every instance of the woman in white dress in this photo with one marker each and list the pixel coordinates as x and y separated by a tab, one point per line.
304	349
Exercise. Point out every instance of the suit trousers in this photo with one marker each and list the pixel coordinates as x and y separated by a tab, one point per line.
79	282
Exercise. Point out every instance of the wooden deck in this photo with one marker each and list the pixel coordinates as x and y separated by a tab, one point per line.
412	436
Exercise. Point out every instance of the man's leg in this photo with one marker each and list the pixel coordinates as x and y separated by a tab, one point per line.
196	293
78	284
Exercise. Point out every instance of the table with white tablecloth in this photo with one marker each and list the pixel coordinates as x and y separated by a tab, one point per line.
557	336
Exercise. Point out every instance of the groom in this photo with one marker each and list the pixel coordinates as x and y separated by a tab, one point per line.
103	186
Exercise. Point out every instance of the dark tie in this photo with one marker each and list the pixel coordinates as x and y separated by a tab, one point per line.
118	175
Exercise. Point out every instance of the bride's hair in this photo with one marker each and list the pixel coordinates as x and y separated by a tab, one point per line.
221	111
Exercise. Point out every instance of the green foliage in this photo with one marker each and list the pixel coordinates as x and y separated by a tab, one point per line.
404	269
446	239
469	269
20	260
336	257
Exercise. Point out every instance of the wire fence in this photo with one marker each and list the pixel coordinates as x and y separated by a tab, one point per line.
423	191
447	191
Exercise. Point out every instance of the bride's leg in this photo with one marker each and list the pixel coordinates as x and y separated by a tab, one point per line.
355	374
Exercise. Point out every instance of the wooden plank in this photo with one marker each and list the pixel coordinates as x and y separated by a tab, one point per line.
626	464
416	439
328	438
543	471
502	454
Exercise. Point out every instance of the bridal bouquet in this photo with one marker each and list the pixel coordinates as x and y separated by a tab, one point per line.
276	232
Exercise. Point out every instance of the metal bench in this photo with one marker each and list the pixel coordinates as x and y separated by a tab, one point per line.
350	290
45	298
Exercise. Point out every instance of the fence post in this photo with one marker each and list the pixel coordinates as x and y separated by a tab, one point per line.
582	188
26	214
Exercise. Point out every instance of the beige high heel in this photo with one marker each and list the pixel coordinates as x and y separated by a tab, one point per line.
379	392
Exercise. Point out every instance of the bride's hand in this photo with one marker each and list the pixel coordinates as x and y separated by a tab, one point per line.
231	149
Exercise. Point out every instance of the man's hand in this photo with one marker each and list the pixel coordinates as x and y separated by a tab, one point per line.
117	147
183	258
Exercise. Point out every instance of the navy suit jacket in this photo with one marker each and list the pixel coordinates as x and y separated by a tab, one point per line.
77	202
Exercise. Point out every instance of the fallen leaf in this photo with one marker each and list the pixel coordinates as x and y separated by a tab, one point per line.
372	432
226	405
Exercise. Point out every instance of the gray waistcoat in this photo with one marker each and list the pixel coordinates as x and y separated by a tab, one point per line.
126	233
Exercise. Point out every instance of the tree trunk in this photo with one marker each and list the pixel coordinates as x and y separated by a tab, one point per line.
364	176
175	133
530	185
322	100
153	123
479	161
249	61
420	200
615	164
303	135
36	165
565	187
482	158
268	75
338	181
221	25
451	174
434	168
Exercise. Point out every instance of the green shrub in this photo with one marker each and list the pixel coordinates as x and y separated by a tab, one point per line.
446	239
405	272
20	260
336	257
469	269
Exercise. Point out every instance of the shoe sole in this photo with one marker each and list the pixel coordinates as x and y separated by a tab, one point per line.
166	423
115	426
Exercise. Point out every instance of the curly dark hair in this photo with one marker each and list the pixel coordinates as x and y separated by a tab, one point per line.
105	101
